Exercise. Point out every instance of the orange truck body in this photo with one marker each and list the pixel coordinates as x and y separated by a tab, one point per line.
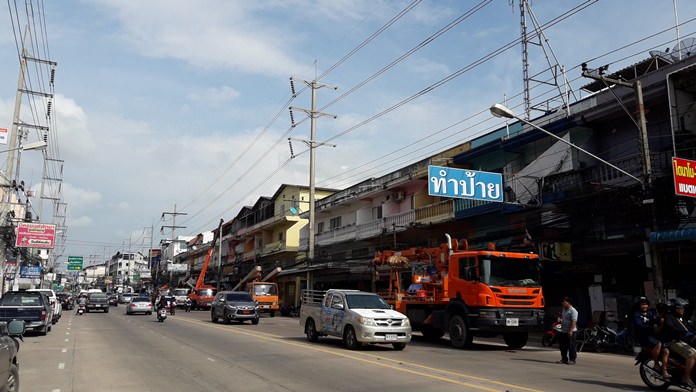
203	294
266	295
466	293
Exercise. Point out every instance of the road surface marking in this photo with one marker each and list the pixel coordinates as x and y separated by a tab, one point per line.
67	340
374	360
210	359
61	366
65	350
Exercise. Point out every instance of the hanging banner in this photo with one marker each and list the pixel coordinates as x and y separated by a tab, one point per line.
684	171
35	235
3	135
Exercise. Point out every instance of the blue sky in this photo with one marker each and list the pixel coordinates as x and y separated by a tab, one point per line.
159	103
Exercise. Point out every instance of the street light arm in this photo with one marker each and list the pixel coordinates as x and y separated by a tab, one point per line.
499	110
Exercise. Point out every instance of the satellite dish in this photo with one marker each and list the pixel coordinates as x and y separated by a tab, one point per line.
294	211
684	49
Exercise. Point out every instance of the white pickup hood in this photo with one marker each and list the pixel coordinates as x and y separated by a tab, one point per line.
379	313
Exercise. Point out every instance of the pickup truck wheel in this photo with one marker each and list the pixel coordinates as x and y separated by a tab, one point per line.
13	379
399	346
44	331
311	331
225	318
349	339
459	332
213	317
255	321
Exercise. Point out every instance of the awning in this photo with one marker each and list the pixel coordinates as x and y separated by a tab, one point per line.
673	235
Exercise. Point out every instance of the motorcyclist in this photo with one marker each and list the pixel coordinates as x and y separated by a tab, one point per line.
161	303
678	337
81	302
172	306
647	325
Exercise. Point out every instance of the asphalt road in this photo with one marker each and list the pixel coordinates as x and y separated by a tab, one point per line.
116	352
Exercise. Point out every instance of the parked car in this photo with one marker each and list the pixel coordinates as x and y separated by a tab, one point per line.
67	301
113	299
234	306
97	301
55	303
139	305
9	346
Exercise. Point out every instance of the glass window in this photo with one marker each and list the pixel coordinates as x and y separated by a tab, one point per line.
376	212
335	301
335	223
320	227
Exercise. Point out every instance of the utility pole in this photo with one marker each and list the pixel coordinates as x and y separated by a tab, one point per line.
654	260
219	254
173	227
313	114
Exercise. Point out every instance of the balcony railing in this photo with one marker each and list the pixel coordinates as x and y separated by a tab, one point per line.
434	213
365	230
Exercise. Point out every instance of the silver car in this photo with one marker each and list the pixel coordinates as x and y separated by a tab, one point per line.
234	306
139	305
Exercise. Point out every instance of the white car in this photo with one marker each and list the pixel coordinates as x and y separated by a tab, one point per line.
55	303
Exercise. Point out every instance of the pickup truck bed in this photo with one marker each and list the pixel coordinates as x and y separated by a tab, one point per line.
29	307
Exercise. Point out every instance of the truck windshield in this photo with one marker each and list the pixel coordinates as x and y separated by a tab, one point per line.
506	271
181	292
360	301
207	292
265	289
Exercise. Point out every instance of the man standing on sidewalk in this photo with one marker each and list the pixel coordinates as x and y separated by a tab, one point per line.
566	338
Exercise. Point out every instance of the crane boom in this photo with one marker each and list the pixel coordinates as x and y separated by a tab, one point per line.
254	271
201	276
271	274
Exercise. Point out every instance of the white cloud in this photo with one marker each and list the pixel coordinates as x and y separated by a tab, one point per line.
214	95
79	222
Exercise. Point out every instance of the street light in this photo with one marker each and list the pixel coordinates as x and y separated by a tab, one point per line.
500	110
38	145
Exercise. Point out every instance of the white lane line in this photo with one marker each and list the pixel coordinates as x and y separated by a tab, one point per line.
68	328
210	359
56	390
65	350
67	333
61	366
67	340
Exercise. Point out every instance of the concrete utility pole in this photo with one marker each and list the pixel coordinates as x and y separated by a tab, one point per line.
173	227
654	256
313	114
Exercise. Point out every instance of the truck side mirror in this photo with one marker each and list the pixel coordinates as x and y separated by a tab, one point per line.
338	306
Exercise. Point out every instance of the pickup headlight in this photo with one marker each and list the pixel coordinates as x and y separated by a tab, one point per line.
367	321
405	322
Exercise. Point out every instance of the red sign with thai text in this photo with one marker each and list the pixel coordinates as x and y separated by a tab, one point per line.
684	176
35	235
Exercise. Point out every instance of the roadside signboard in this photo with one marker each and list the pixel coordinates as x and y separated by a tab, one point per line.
684	171
465	184
30	271
35	235
74	263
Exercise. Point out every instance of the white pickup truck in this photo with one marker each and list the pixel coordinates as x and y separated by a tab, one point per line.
357	317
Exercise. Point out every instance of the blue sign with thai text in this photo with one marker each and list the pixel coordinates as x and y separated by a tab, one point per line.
465	184
30	271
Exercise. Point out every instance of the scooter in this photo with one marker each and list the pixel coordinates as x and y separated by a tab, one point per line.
549	337
81	310
162	315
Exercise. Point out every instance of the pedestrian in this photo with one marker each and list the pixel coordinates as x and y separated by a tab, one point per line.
569	328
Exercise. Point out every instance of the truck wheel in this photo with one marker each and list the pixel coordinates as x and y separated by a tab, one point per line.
311	331
399	346
349	339
272	313
13	379
459	332
516	340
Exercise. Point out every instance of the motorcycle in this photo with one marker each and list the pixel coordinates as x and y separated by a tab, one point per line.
162	315
172	308
604	338
653	379
80	310
549	337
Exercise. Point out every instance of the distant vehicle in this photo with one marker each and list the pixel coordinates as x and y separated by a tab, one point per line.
33	308
9	346
113	299
357	317
67	301
139	305
97	301
95	291
125	298
181	293
55	303
234	306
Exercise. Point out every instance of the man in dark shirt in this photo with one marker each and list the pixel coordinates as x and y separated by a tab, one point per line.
677	336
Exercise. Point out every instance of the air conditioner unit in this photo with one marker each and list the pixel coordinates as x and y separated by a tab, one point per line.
398	196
